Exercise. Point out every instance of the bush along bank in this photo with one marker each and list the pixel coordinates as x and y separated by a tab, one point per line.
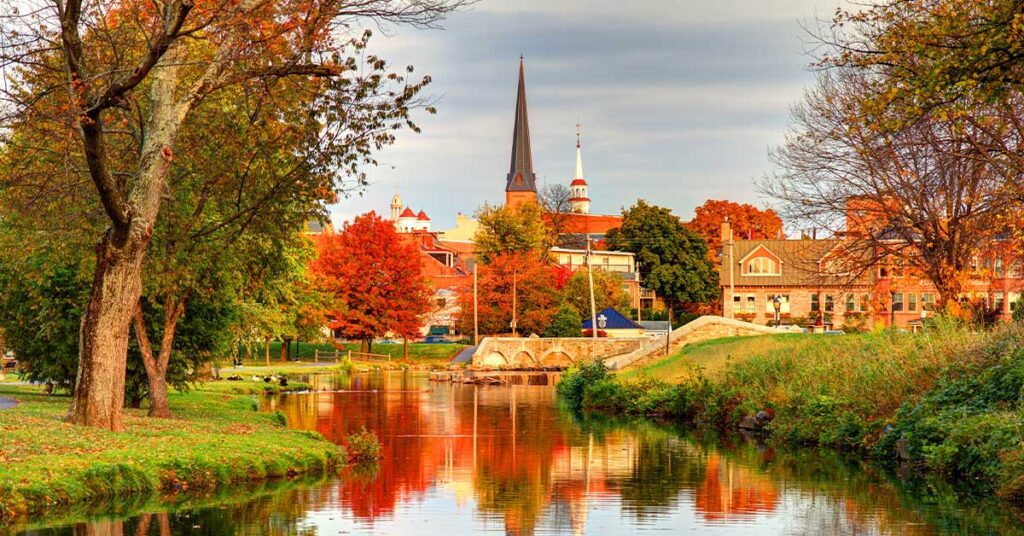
950	399
213	440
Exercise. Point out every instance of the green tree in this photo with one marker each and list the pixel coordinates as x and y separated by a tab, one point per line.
565	323
40	308
672	259
519	230
41	301
107	92
608	292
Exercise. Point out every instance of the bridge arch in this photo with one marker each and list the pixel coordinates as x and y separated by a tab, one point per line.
495	359
556	358
524	359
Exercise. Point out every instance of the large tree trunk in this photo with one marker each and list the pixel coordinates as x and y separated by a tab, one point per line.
285	346
117	281
266	350
103	337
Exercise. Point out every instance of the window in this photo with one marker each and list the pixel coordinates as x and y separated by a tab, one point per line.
999	268
829	305
864	303
762	266
998	300
851	303
928	301
911	302
751	304
815	302
897	302
1014	300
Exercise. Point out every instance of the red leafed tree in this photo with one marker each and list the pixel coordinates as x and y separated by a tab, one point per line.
376	279
531	280
747	221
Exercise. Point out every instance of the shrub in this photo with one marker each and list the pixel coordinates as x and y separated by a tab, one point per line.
566	323
575	380
362	447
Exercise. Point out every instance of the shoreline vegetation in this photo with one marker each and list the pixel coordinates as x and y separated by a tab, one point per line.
216	437
949	400
420	354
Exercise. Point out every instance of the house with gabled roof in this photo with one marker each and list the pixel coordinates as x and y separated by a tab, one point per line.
820	283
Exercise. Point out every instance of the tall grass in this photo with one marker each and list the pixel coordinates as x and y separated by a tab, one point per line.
866	378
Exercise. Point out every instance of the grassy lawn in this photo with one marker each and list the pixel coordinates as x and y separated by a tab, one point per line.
419	353
715	355
247	386
213	439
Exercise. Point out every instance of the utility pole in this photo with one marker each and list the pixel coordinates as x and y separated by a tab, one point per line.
593	306
515	305
731	302
476	313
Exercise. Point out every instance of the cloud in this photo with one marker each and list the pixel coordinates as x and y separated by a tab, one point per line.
679	100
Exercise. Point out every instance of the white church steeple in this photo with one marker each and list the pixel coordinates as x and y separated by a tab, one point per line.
579	199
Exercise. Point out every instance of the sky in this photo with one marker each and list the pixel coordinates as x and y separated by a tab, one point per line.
679	101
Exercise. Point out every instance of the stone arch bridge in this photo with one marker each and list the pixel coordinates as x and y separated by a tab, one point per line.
512	353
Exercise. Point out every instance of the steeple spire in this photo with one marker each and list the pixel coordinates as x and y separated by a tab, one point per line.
521	177
579	157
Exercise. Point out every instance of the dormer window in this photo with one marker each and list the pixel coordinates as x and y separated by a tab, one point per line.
761	262
762	266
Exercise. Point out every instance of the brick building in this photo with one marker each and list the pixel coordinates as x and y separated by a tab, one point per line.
807	279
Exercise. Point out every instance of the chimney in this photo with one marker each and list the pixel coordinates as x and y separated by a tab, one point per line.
726	231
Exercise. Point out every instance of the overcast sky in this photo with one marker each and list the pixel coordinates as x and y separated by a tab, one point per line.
679	100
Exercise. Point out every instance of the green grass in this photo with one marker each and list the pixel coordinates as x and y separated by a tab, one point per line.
213	439
419	353
249	387
9	377
953	394
712	357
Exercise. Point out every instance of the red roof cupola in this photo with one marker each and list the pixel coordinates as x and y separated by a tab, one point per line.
407	213
422	216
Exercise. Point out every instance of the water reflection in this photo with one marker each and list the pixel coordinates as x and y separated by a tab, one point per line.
464	459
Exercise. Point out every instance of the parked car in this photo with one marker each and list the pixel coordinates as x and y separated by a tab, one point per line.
434	339
834	332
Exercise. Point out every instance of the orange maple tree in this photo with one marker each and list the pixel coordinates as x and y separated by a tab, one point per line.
375	277
536	295
747	221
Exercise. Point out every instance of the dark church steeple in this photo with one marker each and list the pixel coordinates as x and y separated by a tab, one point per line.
521	182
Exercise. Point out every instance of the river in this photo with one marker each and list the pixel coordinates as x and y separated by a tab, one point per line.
463	459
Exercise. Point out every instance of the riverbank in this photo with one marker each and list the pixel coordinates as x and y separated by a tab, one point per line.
949	399
214	439
420	354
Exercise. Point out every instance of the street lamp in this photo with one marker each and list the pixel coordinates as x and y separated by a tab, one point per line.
777	303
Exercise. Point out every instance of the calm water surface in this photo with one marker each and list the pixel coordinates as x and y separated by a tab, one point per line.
462	459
